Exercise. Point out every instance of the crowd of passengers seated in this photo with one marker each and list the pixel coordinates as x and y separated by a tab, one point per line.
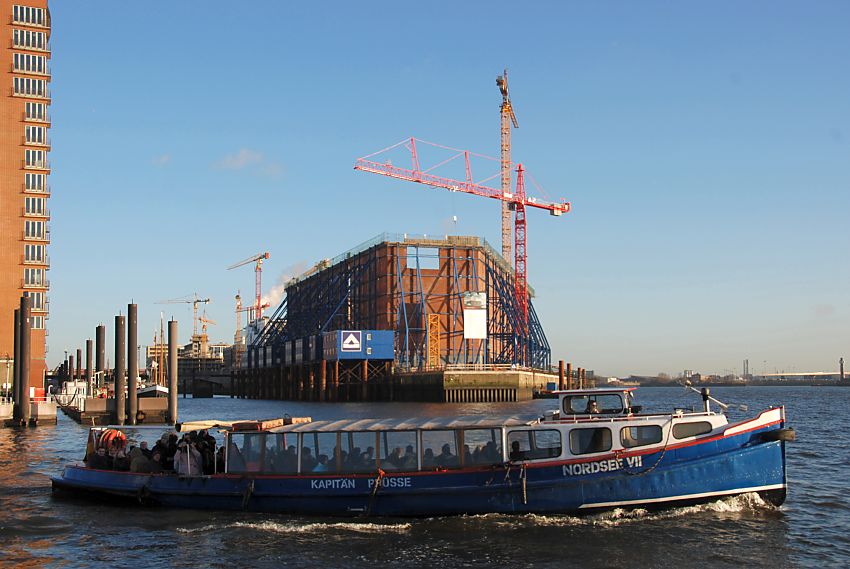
358	460
192	454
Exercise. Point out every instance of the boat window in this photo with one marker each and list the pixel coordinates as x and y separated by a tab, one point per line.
692	429
358	452
284	453
533	444
640	435
245	452
588	441
318	452
440	449
482	446
398	450
610	403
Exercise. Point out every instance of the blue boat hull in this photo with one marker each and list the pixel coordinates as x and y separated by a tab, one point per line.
700	471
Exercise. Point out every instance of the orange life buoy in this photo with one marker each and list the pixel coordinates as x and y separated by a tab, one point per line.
110	435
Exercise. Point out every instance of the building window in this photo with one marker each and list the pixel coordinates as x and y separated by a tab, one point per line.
37	322
35	205
34	253
29	62
36	134
34	229
29	39
35	182
36	111
36	299
28	15
36	158
30	87
33	277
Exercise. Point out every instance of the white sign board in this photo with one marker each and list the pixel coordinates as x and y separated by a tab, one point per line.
474	324
352	341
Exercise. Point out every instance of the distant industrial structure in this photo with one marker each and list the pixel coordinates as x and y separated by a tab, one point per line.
449	303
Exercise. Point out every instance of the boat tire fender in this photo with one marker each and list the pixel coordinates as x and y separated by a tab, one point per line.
785	435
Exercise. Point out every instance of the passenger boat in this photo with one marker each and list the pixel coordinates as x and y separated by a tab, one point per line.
596	452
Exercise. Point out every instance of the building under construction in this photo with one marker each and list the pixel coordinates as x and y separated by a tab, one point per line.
459	332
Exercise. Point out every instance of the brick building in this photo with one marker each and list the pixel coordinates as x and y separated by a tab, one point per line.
24	169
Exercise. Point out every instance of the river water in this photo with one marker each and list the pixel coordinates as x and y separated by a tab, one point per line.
811	529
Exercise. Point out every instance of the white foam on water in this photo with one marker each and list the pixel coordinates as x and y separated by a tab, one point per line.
200	529
618	516
295	527
611	518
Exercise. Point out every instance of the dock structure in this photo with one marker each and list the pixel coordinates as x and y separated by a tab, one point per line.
457	332
28	405
109	397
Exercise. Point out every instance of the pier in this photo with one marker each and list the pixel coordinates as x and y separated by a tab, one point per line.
28	406
112	397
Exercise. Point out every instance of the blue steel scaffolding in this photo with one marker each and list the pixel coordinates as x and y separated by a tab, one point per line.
394	283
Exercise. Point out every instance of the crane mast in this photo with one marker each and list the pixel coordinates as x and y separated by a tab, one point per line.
508	119
258	280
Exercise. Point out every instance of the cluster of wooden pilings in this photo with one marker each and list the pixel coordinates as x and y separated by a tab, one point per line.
364	380
324	380
108	391
569	378
22	410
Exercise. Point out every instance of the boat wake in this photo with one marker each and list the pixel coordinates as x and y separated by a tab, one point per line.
751	502
309	527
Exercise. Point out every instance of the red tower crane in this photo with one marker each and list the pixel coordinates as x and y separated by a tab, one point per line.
258	271
517	201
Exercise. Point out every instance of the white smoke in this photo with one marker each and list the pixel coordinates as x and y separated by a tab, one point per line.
276	292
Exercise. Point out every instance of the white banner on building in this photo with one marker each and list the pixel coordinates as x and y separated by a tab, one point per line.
475	316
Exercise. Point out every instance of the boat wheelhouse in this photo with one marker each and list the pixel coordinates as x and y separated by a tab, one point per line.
594	452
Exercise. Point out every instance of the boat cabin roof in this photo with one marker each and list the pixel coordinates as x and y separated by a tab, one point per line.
410	424
594	391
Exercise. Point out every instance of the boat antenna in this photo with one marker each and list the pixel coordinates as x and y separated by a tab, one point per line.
706	397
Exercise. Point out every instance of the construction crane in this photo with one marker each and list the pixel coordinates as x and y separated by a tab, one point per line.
508	117
194	302
258	271
516	201
204	321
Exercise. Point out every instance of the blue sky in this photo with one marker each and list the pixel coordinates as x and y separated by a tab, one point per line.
705	148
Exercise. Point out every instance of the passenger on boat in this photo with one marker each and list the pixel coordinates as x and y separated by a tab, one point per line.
161	446
219	459
290	459
353	462
170	451
446	458
155	462
143	446
395	459
409	459
187	460
120	460
141	463
592	407
492	454
428	458
367	459
467	455
308	462
98	460
516	453
322	466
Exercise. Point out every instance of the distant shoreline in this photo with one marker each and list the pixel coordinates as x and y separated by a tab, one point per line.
795	383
